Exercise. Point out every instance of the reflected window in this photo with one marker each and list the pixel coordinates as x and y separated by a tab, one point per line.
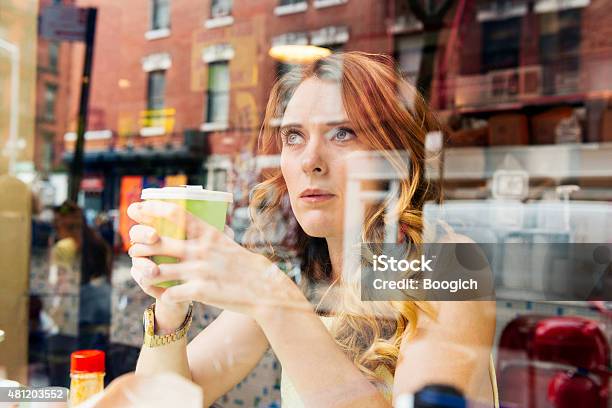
287	2
217	170
48	151
50	96
560	50
217	96
500	44
220	8
53	55
217	180
155	90
160	14
408	55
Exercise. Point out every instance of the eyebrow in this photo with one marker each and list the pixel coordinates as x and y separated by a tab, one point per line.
329	124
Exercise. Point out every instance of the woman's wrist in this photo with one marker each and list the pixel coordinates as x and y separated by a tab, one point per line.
169	317
285	297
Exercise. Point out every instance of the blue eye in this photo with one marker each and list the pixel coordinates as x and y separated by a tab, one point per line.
343	134
294	138
291	137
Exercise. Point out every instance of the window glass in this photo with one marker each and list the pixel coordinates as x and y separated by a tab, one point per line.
560	50
500	44
408	53
156	89
160	14
220	8
218	92
292	203
49	101
48	151
53	55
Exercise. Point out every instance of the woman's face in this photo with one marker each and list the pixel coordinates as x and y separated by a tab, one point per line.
317	139
69	226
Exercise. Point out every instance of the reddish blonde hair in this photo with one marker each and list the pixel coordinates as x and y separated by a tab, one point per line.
390	116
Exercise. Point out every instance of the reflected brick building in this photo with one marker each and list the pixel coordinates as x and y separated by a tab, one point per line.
55	93
180	86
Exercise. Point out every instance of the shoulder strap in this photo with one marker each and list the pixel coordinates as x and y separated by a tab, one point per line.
493	377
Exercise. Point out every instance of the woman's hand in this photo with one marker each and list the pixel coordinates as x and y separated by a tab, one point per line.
214	269
134	390
169	315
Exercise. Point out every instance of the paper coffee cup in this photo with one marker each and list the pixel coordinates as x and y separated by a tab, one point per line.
209	206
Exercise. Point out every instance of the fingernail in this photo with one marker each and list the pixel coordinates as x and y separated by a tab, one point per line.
151	237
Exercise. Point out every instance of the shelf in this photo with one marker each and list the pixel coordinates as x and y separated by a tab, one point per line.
562	161
505	294
533	102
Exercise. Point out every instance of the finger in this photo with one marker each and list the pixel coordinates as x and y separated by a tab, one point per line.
184	270
211	291
196	249
147	267
134	211
143	234
176	248
182	293
140	279
220	294
171	272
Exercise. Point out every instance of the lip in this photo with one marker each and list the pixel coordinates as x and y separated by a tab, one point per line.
316	195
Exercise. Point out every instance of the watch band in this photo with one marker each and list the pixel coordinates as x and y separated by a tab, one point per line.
154	340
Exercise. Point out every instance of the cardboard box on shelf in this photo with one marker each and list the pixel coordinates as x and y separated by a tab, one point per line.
468	137
543	125
508	129
606	126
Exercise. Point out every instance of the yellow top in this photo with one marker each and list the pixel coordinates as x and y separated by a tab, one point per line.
291	399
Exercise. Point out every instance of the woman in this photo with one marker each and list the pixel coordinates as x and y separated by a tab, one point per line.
316	119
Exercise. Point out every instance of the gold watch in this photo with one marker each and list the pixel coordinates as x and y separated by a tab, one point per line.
154	340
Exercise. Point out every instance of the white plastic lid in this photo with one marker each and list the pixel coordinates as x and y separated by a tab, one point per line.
185	193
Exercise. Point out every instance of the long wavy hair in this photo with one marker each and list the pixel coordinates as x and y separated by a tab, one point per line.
389	116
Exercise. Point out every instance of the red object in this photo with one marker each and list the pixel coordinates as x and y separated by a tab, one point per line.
571	340
571	390
87	361
131	188
92	184
553	362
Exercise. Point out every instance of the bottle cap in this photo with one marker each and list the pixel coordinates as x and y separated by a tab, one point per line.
87	361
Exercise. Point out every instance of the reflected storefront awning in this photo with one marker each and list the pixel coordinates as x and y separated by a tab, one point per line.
137	158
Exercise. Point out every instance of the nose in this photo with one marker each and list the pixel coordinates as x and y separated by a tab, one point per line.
313	161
